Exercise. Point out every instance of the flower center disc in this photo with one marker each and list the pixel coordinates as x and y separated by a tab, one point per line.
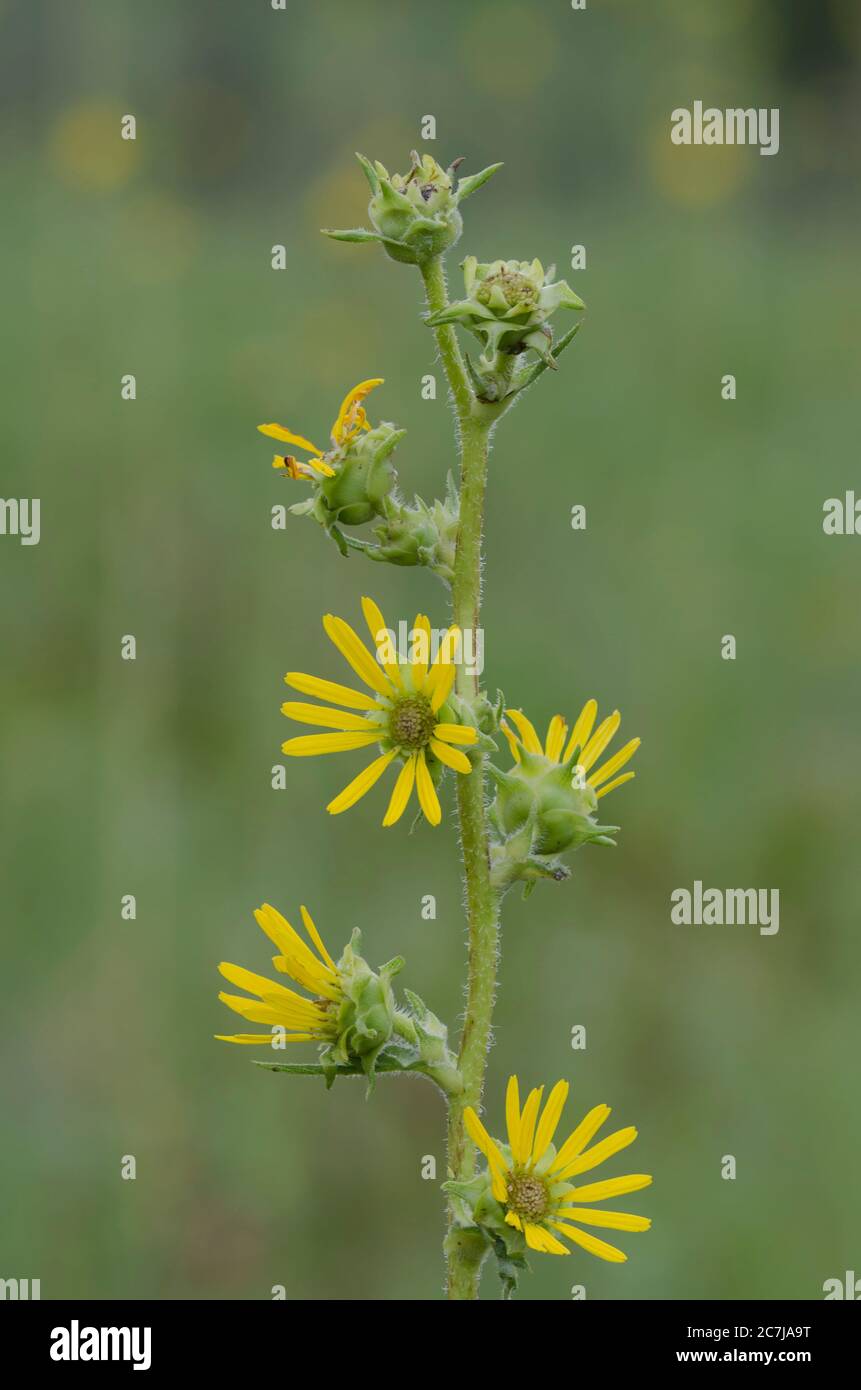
527	1196
412	722
519	292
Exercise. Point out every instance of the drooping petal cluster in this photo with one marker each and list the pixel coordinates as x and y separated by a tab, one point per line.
349	423
295	1017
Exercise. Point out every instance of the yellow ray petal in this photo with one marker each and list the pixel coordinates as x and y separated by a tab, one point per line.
463	734
269	990
512	1111
611	1187
615	1220
325	717
480	1137
611	786
591	1243
599	740
352	398
311	745
598	1153
317	939
452	757
320	466
529	738
356	653
380	639
428	799
288	437
549	1120
613	764
556	731
582	728
442	673
356	789
513	742
330	690
527	1126
440	682
260	1038
255	1012
420	650
298	958
401	793
537	1238
579	1138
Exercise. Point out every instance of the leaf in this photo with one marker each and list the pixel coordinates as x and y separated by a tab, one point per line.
474	181
535	372
351	234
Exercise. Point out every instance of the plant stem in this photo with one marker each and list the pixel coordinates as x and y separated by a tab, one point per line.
482	902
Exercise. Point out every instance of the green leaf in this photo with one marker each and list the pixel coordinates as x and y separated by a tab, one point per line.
533	373
474	181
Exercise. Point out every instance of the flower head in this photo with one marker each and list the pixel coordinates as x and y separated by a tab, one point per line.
582	743
507	306
530	1178
351	1008
414	215
355	477
406	714
553	782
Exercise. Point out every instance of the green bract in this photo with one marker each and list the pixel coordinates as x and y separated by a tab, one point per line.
366	1013
362	481
415	215
418	534
551	800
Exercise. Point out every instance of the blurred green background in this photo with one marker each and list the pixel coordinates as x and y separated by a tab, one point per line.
704	518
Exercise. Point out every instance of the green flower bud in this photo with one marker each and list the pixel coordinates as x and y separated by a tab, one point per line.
507	306
366	1013
550	798
415	215
364	477
420	534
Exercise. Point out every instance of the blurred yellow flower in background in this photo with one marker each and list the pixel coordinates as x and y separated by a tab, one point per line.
87	148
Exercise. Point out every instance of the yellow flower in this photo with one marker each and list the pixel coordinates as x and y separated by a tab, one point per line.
350	421
530	1177
591	744
401	715
303	1020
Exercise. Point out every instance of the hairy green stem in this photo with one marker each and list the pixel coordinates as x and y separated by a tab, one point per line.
482	902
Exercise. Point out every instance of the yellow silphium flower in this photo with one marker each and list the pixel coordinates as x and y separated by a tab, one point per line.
405	713
560	744
302	1020
349	422
530	1177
